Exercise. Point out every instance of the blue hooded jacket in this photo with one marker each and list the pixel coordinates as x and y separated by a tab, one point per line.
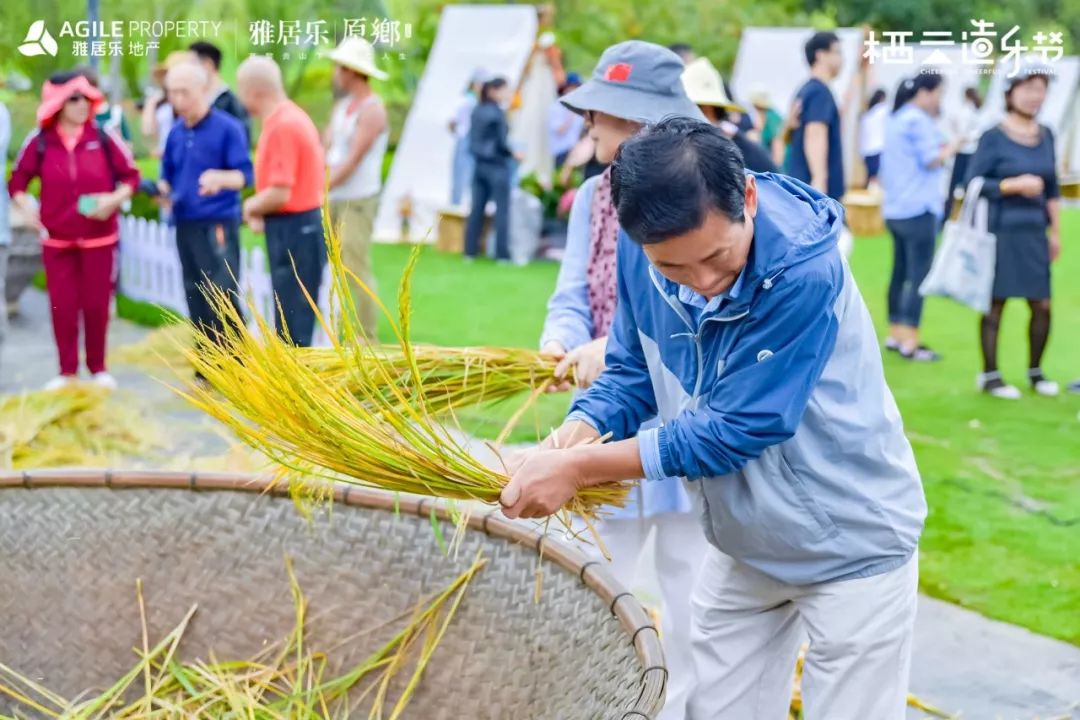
772	395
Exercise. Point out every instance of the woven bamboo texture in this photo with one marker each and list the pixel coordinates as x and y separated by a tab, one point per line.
72	545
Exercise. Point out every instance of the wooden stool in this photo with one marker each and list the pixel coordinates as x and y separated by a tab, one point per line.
451	228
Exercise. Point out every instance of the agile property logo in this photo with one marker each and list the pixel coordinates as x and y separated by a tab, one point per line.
38	41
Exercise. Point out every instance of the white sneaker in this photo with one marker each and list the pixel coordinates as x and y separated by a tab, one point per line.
992	384
1042	386
59	383
104	380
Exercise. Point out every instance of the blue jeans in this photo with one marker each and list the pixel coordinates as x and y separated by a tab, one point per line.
491	181
913	252
295	238
461	171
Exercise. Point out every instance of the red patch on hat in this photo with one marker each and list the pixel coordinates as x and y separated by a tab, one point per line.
619	72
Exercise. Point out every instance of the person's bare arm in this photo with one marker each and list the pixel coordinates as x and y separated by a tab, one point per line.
266	201
778	151
29	209
1053	209
211	182
148	123
816	146
109	203
372	122
1027	185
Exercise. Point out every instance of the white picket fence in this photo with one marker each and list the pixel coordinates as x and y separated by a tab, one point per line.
150	272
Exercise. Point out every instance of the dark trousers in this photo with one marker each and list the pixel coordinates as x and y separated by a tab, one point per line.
209	256
913	252
959	173
296	248
491	181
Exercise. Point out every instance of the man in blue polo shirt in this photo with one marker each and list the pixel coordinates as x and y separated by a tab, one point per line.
203	169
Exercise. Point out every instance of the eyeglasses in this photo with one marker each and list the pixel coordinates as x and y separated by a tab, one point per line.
76	98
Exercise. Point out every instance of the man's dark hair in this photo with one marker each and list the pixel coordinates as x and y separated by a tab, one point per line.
667	177
819	41
207	51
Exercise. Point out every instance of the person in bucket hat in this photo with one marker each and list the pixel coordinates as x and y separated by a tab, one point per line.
636	81
635	84
706	88
357	138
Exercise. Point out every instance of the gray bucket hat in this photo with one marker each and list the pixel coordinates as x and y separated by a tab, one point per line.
635	80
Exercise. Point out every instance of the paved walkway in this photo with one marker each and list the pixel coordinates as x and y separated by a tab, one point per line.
965	664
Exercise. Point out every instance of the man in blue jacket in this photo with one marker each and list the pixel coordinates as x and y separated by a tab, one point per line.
740	325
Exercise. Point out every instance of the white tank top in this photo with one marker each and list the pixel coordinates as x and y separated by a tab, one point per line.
366	179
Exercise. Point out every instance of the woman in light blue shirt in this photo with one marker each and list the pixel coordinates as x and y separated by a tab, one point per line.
912	167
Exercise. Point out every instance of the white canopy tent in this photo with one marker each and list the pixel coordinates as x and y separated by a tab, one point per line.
498	38
1071	148
773	59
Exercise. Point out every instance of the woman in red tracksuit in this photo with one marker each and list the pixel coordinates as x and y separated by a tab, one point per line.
86	175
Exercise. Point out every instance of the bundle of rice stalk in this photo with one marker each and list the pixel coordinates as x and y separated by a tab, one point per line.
452	377
80	425
374	424
286	680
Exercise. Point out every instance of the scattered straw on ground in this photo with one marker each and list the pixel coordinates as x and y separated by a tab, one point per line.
77	426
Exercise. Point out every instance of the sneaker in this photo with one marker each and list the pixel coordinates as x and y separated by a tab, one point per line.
1074	387
104	380
892	344
60	382
992	384
919	354
1042	386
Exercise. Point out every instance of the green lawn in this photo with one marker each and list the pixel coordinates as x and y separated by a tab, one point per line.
1003	479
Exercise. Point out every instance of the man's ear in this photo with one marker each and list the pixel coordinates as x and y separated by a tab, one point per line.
750	197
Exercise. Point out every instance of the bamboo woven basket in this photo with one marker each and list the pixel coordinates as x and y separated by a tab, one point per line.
863	210
73	543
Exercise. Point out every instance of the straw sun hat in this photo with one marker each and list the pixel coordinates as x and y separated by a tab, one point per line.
358	55
704	86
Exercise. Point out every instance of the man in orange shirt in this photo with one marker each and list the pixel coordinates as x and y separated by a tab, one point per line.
290	174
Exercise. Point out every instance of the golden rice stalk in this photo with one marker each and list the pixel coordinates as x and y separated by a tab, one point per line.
371	423
286	681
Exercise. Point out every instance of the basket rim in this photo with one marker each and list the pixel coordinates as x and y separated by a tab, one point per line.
635	622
